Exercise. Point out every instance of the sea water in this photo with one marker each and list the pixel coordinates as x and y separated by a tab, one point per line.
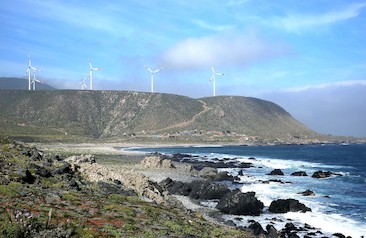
339	204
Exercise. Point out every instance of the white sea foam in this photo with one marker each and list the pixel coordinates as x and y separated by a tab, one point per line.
330	223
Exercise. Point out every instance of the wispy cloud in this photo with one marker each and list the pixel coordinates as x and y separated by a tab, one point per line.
221	50
348	83
208	26
297	23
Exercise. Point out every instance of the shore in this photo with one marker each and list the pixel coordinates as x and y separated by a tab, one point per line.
123	160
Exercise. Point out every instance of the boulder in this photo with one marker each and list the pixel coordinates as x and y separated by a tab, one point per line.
63	169
207	191
40	170
307	193
176	187
256	228
25	176
238	203
276	172
299	173
156	162
287	205
271	231
323	174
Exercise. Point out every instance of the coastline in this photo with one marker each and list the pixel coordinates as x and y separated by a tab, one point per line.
122	160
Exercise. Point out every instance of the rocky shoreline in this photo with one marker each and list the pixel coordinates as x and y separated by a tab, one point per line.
48	195
207	184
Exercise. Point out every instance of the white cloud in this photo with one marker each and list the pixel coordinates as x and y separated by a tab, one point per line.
208	26
298	22
348	83
220	50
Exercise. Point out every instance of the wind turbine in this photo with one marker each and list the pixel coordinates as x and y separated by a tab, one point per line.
29	69
35	80
83	84
91	69
213	78
152	72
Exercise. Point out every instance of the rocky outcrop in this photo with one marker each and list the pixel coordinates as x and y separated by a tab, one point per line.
132	180
287	205
307	193
239	203
276	172
299	173
156	161
198	189
323	174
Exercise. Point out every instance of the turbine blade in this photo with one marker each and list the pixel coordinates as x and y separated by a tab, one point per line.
156	71
213	71
212	77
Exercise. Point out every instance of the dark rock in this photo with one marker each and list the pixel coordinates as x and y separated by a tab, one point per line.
299	173
207	191
241	173
26	176
35	155
116	181
293	235
276	172
238	203
323	174
111	188
339	235
180	156
65	168
307	193
257	228
40	170
287	205
271	232
176	187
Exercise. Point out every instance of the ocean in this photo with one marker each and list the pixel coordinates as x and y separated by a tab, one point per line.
339	204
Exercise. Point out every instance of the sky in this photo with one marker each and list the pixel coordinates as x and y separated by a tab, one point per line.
307	56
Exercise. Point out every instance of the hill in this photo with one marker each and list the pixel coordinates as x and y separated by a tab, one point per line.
21	83
132	116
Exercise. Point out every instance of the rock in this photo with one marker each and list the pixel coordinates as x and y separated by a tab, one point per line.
25	176
299	173
112	188
339	235
35	155
40	170
238	203
63	169
156	162
207	191
271	231
287	205
176	187
307	193
78	159
276	172
322	174
257	228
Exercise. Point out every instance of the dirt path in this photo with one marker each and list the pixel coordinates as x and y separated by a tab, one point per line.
190	122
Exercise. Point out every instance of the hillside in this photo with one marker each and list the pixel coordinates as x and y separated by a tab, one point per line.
21	83
131	115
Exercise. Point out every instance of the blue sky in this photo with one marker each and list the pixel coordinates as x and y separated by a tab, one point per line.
307	56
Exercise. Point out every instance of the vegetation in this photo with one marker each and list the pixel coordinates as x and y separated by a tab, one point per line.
52	207
124	116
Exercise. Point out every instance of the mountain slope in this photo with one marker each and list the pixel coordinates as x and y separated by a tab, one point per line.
100	114
21	83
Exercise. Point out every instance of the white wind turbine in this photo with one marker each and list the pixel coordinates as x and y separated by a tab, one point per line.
91	69
35	80
83	84
29	69
213	78
152	72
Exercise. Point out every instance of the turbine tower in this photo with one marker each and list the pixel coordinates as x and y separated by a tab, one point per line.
83	84
29	69
91	69
35	80
152	72
213	78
